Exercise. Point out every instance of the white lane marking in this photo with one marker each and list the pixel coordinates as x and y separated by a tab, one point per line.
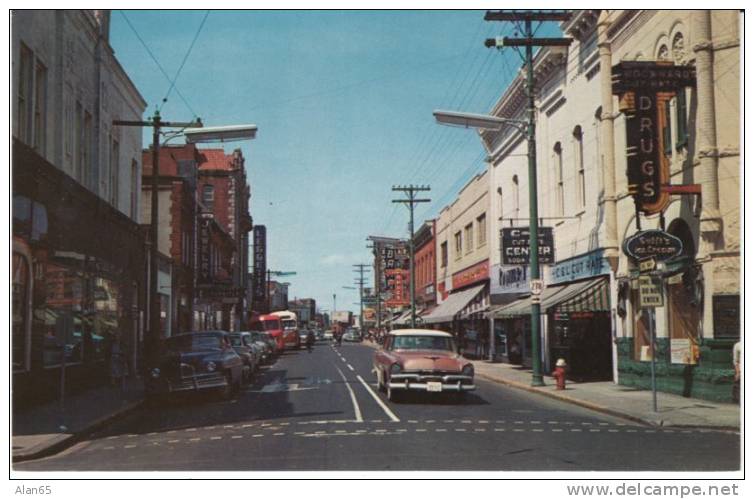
215	438
356	408
421	429
237	436
195	439
499	429
557	429
258	435
129	446
385	408
350	367
344	360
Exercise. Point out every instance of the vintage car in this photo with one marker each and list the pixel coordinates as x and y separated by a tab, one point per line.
195	361
242	343
421	360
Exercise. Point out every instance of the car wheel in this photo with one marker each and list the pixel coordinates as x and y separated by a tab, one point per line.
226	392
392	395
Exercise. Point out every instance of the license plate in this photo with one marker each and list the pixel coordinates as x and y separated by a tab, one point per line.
434	386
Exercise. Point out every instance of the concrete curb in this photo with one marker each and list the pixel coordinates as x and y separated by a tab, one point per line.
63	442
597	407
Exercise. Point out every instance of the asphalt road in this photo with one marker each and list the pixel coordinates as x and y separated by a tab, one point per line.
322	411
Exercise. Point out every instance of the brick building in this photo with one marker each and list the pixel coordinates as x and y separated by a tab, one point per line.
225	192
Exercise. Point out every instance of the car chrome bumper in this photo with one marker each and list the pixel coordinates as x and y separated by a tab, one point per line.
189	381
449	383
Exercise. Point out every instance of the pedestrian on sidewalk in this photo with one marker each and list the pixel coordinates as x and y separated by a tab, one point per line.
737	373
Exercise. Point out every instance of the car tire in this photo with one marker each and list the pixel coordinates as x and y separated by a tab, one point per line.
226	392
392	395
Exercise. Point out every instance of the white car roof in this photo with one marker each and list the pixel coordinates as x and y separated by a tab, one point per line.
420	332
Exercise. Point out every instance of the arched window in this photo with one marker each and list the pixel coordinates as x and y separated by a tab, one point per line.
578	155
557	159
208	197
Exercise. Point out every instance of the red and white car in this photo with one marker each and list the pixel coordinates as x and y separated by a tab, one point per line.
421	360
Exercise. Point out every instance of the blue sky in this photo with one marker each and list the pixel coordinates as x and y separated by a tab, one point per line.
343	101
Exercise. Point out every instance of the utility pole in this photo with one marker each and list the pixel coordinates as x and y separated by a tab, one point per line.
361	268
153	310
378	285
528	41
410	191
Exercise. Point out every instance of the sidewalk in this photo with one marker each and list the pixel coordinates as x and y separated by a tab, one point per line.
622	401
43	430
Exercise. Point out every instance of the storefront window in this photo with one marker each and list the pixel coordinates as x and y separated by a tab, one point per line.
20	310
94	304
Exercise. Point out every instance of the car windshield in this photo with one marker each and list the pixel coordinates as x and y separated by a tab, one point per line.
236	341
271	325
289	324
190	342
423	343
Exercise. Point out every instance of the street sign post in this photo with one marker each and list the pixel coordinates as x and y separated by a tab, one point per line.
647	265
650	292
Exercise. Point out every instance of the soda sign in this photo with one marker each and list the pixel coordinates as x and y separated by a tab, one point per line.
515	246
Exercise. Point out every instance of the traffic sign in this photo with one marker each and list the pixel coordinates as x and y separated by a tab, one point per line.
537	285
650	292
647	265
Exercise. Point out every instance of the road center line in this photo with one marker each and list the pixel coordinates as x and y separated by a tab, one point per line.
350	367
385	408
356	408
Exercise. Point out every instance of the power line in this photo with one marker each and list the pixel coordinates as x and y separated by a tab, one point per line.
185	58
159	66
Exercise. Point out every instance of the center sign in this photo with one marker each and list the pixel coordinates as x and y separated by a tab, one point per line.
515	246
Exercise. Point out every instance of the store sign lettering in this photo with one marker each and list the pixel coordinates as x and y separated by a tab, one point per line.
655	244
589	265
515	246
478	272
259	284
645	89
507	279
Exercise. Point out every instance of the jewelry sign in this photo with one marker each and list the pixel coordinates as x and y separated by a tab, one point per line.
645	89
259	284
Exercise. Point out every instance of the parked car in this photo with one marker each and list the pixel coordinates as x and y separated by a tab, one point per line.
328	334
244	347
302	335
266	343
422	360
194	362
351	335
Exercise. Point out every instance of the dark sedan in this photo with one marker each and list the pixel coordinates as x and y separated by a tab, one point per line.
242	344
193	362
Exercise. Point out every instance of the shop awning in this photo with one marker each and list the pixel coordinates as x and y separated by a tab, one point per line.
590	295
402	318
447	310
594	296
405	318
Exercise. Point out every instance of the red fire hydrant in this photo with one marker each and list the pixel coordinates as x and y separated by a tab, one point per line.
560	374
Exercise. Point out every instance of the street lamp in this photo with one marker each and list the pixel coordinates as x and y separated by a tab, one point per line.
471	120
496	123
214	134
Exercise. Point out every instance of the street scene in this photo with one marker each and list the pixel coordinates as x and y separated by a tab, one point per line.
500	241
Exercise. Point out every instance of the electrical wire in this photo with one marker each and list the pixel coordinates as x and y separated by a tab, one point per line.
185	58
159	66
